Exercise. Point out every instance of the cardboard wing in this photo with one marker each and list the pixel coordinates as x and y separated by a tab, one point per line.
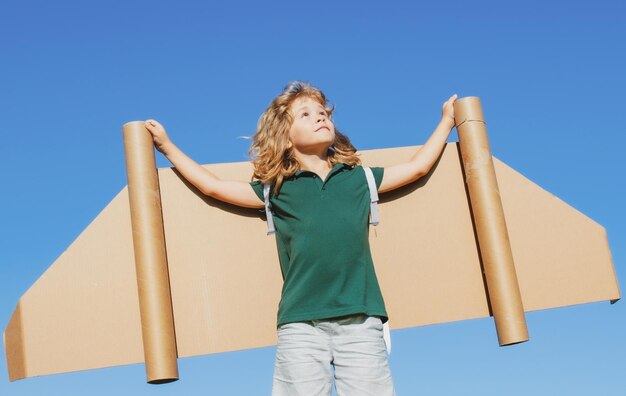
84	313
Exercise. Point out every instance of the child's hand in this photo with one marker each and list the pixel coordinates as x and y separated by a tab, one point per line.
447	110
159	136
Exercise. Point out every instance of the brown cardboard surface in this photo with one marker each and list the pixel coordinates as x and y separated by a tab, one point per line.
153	285
489	222
83	312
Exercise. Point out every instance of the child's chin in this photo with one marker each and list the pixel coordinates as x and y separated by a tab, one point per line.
326	135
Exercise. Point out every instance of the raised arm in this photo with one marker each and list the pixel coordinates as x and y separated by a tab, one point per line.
401	174
234	192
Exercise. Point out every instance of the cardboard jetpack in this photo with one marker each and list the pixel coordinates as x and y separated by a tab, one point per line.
166	272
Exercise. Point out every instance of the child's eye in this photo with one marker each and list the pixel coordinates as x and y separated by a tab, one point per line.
305	114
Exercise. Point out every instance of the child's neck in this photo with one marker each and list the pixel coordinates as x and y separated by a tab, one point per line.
317	163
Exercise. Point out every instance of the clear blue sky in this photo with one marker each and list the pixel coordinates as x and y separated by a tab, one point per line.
550	76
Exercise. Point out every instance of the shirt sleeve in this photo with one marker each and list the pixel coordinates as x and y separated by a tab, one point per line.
257	186
378	175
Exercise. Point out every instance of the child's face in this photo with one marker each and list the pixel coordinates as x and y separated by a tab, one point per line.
311	130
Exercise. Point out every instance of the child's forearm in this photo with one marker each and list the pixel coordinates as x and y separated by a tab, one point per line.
234	192
200	177
427	155
423	160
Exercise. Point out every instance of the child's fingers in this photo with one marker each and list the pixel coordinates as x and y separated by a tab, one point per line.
151	123
153	126
448	106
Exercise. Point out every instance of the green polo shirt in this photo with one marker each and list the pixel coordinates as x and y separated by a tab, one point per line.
322	229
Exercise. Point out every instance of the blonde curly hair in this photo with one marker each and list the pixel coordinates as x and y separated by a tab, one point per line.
271	153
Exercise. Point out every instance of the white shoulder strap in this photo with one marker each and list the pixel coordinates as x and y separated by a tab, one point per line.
371	183
268	212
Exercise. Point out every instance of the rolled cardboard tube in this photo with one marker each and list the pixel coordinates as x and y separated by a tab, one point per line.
155	305
493	240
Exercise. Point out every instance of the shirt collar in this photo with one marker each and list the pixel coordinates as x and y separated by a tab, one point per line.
334	169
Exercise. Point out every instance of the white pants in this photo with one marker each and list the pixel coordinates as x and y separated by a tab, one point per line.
353	345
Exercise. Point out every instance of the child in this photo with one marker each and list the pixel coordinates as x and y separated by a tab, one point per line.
331	310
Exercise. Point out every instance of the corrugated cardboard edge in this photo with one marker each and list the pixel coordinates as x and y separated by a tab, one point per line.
608	249
14	336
